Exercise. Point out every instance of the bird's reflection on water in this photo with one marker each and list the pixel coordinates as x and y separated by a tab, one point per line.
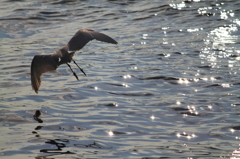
94	144
37	115
60	144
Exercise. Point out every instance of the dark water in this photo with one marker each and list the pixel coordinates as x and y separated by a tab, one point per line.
170	88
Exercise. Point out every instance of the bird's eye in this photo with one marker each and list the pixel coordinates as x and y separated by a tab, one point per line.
59	59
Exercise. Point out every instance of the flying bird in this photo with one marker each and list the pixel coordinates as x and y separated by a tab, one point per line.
45	63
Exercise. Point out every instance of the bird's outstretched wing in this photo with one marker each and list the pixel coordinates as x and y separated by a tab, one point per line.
83	36
41	64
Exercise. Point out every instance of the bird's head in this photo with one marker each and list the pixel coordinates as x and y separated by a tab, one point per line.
65	55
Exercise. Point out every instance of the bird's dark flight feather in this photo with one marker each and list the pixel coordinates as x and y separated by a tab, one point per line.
41	64
83	36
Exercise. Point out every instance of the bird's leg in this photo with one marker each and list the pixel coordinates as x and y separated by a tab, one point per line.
79	68
72	71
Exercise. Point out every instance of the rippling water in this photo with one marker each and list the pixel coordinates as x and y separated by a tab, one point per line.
170	88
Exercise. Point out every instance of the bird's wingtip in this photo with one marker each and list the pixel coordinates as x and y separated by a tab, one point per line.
36	91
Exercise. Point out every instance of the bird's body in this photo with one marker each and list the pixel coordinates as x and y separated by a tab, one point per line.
45	63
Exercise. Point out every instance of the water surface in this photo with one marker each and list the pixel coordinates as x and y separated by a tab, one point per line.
170	88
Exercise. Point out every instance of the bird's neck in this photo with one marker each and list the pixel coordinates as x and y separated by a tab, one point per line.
66	57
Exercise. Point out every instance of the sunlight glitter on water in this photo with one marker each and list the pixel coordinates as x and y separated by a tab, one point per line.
226	85
209	106
127	76
178	6
236	153
134	68
152	117
191	107
184	134
195	79
110	133
223	35
205	79
194	30
125	85
116	105
206	11
144	36
183	81
212	78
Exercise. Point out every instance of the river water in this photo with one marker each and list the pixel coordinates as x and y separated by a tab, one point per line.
169	89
